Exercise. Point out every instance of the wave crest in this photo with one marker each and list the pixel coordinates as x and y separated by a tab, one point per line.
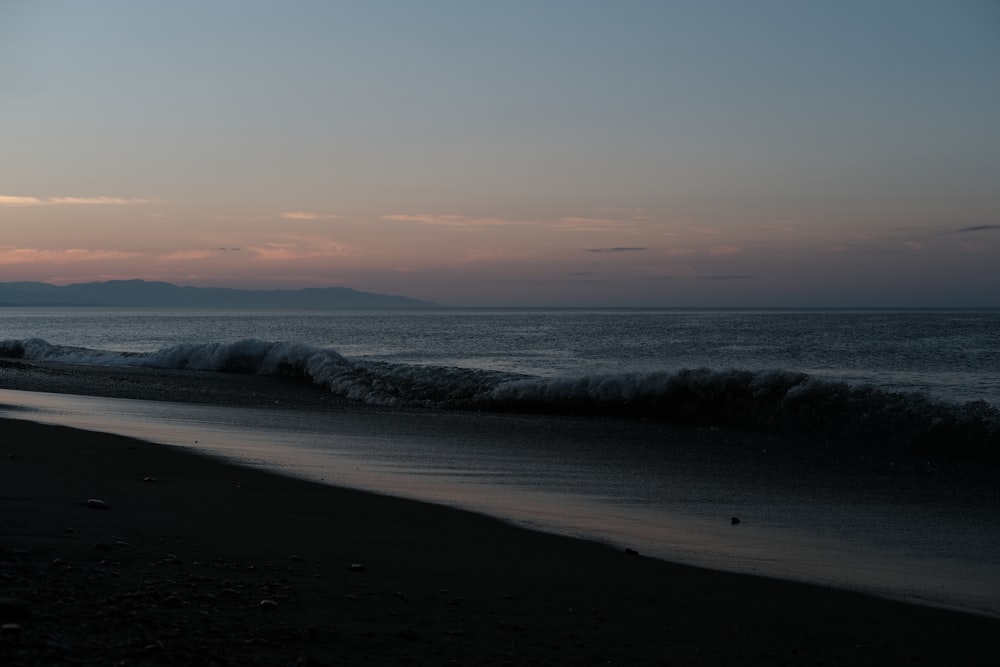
777	401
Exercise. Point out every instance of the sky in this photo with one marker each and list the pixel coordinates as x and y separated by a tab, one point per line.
515	153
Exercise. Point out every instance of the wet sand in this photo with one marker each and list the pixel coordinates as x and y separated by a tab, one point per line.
208	563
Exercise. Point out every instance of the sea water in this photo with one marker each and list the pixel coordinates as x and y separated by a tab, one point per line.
885	377
949	354
555	419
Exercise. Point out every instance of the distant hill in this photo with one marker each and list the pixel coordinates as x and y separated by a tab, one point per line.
140	293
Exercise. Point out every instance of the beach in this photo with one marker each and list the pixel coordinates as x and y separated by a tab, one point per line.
499	333
190	560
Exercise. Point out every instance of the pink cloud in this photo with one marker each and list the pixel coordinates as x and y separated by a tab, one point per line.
278	252
11	255
455	221
186	255
309	215
631	213
15	201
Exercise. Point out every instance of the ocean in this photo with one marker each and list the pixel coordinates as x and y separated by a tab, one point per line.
843	440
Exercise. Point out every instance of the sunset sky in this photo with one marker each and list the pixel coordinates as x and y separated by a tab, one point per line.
509	153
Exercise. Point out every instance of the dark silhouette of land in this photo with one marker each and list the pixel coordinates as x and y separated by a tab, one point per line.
141	293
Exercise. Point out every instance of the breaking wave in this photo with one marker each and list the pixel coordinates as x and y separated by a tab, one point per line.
777	401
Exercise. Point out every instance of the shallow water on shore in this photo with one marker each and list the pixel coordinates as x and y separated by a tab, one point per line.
665	491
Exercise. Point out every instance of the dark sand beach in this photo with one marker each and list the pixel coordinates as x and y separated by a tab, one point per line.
208	563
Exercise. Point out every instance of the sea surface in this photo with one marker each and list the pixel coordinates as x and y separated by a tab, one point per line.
834	435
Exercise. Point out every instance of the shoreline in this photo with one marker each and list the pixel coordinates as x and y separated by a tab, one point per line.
799	500
248	390
176	570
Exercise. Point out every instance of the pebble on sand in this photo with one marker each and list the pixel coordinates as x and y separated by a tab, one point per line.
97	504
735	521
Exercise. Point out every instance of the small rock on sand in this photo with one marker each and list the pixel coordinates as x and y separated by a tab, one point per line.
97	504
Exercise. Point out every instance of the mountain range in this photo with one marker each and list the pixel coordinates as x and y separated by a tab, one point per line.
141	293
